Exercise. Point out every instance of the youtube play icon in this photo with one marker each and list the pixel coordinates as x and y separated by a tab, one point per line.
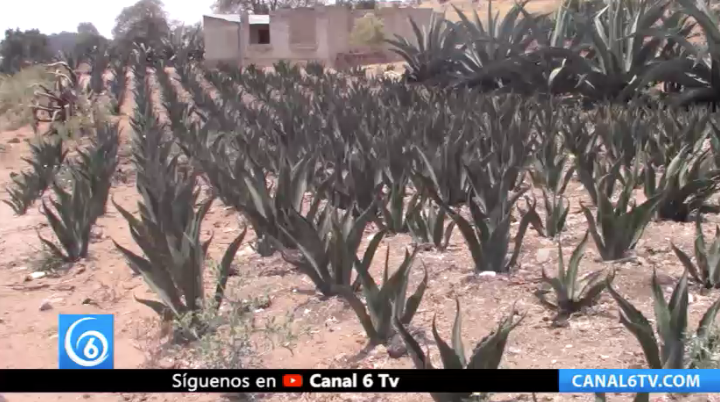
292	380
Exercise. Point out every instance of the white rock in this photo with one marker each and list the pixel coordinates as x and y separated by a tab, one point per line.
36	275
487	274
45	305
542	255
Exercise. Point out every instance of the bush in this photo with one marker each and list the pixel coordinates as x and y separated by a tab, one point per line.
16	94
368	31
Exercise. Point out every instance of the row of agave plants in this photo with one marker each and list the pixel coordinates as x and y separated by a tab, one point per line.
604	50
55	106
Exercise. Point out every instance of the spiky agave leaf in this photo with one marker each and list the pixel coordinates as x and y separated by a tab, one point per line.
70	218
23	192
426	223
328	247
487	354
671	317
388	301
434	52
707	256
640	327
494	57
47	158
617	228
572	294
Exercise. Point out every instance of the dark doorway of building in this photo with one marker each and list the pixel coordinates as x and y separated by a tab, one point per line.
260	34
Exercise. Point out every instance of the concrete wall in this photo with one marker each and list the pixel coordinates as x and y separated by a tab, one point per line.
395	22
307	34
290	38
222	40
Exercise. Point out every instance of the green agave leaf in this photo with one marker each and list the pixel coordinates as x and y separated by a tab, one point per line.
225	265
636	323
708	319
449	358
413	302
489	351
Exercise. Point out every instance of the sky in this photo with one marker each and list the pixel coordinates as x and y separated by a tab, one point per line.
53	16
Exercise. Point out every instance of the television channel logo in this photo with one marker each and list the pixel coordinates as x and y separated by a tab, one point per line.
85	341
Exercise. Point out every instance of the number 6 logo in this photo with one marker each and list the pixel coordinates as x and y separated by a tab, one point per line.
98	341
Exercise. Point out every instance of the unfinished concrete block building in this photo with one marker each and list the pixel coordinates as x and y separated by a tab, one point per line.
303	34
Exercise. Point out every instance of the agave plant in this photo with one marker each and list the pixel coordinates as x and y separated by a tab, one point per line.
355	181
24	191
118	85
616	63
494	56
550	173
47	158
174	255
100	62
685	185
589	165
387	302
395	215
245	187
491	205
99	163
671	318
487	354
707	257
445	171
434	53
691	68
617	228
426	223
328	248
315	69
572	294
71	218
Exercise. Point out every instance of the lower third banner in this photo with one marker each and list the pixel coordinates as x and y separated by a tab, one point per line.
440	381
232	381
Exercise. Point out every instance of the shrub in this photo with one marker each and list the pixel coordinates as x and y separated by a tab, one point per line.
16	95
368	30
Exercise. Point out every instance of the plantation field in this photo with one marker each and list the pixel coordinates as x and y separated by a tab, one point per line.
308	218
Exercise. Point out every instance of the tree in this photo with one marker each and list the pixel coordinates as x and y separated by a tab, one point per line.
20	48
87	28
145	22
89	40
184	43
368	31
259	6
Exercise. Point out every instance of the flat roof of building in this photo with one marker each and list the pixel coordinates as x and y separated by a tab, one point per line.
253	19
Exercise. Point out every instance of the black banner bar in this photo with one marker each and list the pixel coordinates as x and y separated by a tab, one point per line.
233	381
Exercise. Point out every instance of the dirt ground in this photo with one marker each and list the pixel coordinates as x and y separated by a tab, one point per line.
324	334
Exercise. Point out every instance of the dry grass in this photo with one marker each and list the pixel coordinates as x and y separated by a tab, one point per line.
16	93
